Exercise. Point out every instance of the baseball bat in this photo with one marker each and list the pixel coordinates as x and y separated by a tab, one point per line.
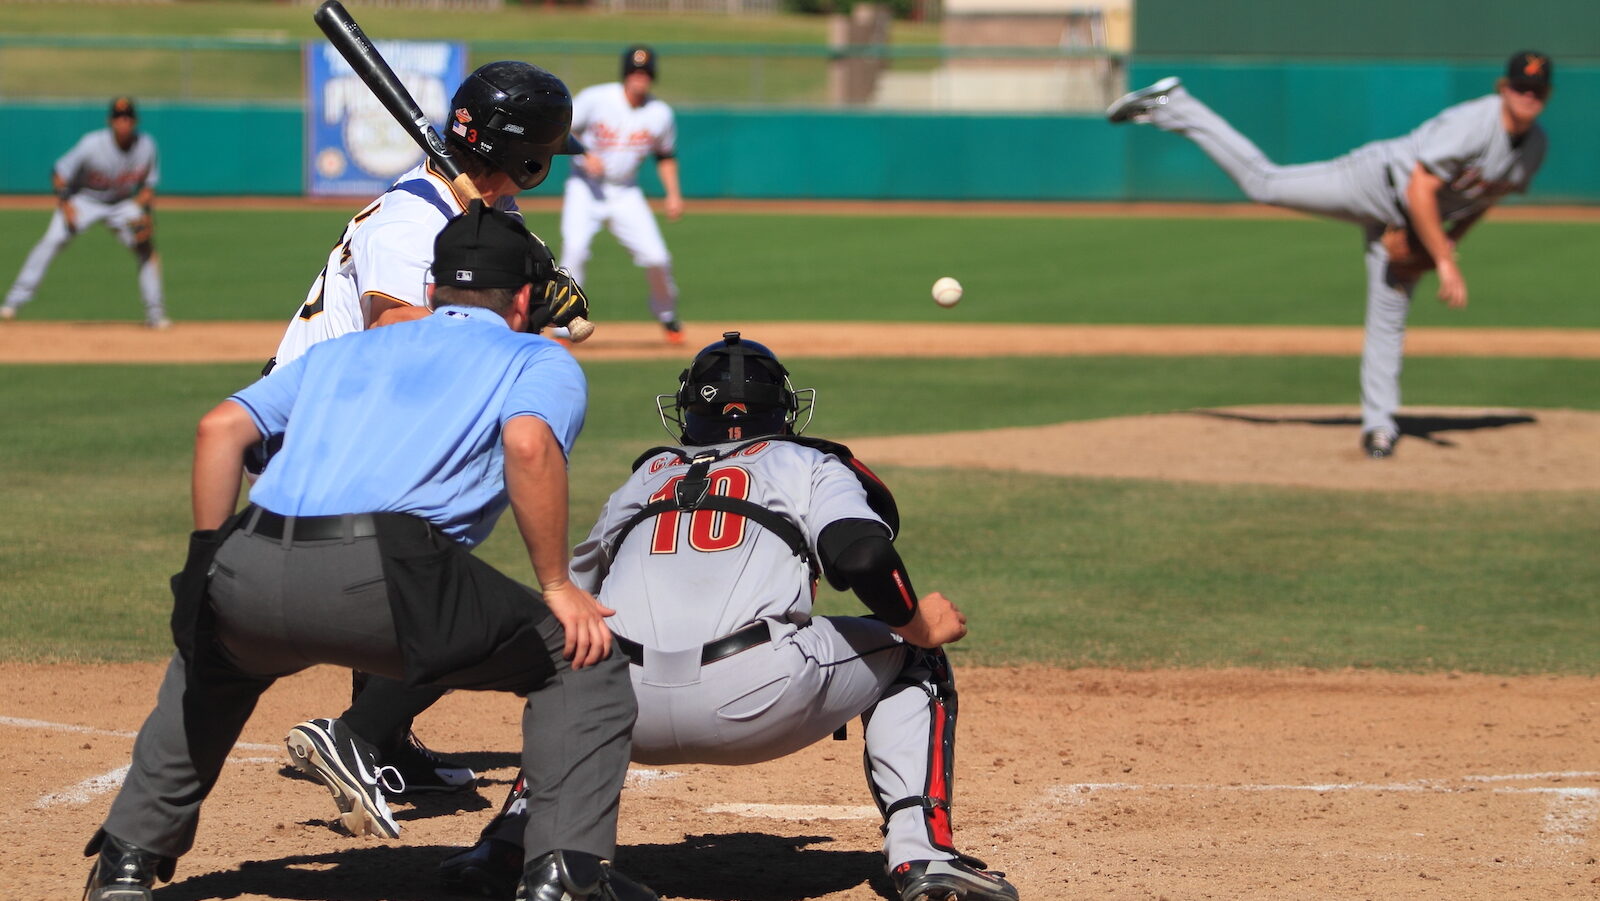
352	43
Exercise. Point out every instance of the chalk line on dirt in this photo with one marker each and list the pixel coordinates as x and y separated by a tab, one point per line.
21	723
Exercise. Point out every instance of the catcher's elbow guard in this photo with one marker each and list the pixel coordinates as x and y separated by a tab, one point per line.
857	554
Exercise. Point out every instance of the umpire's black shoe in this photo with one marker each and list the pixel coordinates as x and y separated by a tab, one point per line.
963	879
329	752
124	871
1378	444
423	770
490	868
576	876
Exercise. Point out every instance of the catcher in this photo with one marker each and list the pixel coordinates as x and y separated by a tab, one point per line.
710	553
1416	196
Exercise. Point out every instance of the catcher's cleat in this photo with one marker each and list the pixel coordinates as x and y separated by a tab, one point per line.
1135	106
1378	444
490	868
576	876
123	871
329	752
962	879
421	770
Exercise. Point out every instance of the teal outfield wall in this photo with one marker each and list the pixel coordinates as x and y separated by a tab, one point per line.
1297	111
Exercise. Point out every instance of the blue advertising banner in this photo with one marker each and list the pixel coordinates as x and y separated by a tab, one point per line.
353	145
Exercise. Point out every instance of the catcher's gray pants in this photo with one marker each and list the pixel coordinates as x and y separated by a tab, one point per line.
282	607
774	699
119	217
1348	188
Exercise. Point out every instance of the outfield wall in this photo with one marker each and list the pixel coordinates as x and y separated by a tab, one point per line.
1297	111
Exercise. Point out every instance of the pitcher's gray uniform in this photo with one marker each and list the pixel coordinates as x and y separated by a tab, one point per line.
100	180
1466	145
714	609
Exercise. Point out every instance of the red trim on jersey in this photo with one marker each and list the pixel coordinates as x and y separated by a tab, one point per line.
900	583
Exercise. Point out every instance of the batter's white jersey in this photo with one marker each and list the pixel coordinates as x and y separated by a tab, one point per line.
620	134
680	580
385	250
98	169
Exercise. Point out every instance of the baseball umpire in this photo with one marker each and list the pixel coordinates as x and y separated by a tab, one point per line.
508	120
340	560
709	553
1415	197
109	176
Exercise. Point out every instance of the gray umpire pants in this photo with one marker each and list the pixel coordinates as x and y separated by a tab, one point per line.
282	606
1349	188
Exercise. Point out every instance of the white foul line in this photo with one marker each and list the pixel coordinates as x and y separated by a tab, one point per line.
110	781
19	723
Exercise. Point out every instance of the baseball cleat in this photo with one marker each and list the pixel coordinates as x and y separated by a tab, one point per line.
123	871
962	879
329	752
490	868
422	770
674	331
8	313
159	323
576	876
1135	106
1378	444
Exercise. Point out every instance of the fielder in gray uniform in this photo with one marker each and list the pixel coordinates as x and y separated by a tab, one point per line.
1414	196
109	176
710	553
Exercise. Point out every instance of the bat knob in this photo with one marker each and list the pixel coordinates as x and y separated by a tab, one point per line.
580	329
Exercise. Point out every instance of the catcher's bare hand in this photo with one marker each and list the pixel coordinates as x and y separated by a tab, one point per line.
937	621
583	619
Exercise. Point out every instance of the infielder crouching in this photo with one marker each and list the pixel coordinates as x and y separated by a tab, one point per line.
709	554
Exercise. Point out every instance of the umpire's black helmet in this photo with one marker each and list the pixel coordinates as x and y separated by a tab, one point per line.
735	390
516	116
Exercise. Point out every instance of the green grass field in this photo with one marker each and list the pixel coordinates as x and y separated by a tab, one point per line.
257	265
94	459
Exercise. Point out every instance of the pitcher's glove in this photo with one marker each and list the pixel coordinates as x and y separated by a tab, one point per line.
561	301
1408	259
144	227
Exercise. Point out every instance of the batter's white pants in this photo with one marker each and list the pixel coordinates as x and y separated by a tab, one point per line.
587	205
120	218
1339	188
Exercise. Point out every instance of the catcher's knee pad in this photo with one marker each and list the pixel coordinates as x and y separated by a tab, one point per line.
929	672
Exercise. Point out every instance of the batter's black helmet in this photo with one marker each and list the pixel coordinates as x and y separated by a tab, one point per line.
735	390
516	116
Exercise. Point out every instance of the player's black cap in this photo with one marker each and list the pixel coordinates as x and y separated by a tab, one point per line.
123	106
638	58
1530	70
483	248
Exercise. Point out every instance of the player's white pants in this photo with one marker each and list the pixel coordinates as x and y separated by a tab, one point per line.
1383	351
589	205
120	218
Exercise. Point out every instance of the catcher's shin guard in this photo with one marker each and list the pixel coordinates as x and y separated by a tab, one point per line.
929	672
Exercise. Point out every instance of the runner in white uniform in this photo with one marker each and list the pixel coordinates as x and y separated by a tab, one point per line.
620	124
508	119
109	176
709	554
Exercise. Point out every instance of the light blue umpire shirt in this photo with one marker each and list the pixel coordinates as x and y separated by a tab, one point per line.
406	419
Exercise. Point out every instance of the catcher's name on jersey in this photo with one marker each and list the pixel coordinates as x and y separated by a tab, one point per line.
670	460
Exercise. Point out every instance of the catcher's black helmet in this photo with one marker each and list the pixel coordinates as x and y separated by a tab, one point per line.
516	116
735	390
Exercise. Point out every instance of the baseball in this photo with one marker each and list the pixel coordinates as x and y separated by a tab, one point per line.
947	292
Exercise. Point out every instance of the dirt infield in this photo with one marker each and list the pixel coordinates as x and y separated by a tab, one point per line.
1079	783
1174	785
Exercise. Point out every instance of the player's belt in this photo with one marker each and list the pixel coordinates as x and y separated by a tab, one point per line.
267	524
712	651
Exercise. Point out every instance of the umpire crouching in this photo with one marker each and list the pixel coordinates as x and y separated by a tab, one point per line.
405	446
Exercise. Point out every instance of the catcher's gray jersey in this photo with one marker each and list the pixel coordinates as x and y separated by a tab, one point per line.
97	168
710	572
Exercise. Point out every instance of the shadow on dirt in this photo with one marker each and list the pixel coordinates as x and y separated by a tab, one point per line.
1425	428
738	866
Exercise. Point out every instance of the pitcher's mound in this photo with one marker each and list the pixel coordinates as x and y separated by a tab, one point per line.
1442	449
